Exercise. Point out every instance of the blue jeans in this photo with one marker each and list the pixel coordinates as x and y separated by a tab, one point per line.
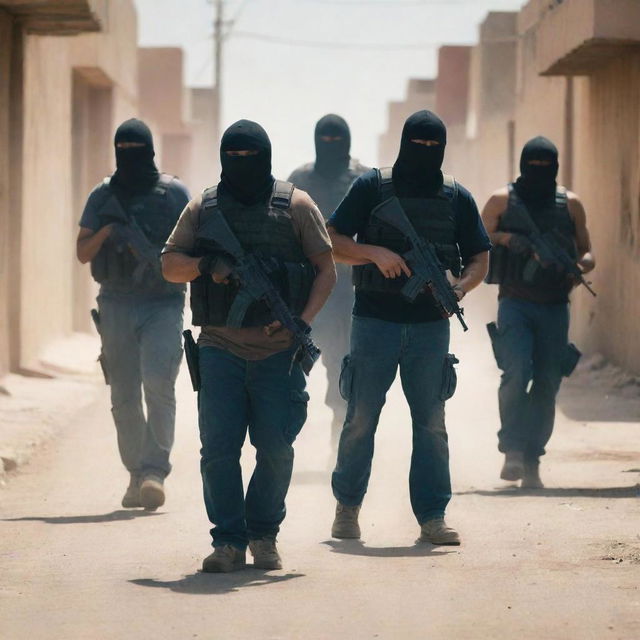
141	340
270	402
377	349
532	339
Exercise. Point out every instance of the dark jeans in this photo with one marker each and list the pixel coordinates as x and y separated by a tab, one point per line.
142	347
262	397
331	331
532	339
377	349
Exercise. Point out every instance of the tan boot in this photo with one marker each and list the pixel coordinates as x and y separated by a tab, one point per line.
131	498
531	476
152	492
224	559
513	467
345	524
436	531
265	554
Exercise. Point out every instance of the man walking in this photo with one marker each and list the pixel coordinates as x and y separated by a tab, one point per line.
125	223
530	340
327	181
250	377
390	331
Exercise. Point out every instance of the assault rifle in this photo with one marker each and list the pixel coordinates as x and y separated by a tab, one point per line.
127	231
550	253
250	273
426	268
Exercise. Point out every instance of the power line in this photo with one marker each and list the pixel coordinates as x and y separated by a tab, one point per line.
368	46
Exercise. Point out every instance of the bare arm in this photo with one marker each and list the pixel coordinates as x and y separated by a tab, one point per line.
322	285
474	273
347	251
586	259
89	242
179	267
491	214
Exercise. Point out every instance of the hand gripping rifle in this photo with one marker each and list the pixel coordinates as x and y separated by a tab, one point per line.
250	272
426	268
550	253
127	232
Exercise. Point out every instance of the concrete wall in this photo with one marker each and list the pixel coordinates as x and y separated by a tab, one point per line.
88	81
6	30
607	178
205	163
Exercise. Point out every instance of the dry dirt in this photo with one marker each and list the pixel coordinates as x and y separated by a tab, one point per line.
557	563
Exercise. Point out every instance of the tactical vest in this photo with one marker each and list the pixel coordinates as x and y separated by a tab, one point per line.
519	272
114	265
433	219
265	229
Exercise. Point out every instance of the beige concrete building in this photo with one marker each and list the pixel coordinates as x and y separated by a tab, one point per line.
569	70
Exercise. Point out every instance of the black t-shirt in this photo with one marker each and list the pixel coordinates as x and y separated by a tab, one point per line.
351	218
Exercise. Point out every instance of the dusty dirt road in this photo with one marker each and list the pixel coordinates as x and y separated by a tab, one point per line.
560	563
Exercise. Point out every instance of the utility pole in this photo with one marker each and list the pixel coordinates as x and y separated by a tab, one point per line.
218	36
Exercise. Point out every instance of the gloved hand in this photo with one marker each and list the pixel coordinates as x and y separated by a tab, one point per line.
520	245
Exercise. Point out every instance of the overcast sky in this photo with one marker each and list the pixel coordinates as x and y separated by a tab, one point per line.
286	87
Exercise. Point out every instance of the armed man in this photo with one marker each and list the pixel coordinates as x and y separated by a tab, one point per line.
541	251
327	181
420	248
259	260
125	223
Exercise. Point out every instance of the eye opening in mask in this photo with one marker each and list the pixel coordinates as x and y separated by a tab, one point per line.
129	145
241	153
331	138
426	143
540	163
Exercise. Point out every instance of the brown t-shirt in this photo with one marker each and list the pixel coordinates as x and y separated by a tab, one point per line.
252	343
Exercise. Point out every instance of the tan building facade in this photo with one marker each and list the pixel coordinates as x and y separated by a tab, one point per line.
568	70
70	72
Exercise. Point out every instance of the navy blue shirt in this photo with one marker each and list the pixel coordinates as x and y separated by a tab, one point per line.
177	193
351	218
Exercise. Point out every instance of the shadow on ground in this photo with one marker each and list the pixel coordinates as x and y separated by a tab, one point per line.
359	548
114	516
217	583
557	492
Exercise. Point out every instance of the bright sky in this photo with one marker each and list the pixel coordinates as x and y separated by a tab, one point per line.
287	87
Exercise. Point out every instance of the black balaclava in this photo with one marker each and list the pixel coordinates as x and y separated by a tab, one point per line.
537	183
417	171
136	171
332	158
247	178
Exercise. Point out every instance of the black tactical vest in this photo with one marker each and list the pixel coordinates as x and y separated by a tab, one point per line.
432	218
265	229
523	276
114	265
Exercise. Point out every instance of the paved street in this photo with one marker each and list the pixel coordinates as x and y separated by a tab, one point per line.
559	563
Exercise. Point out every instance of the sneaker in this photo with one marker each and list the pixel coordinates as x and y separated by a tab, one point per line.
224	559
265	554
346	524
513	468
131	498
152	492
531	476
436	531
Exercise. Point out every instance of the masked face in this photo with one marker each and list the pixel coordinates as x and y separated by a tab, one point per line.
538	170
417	171
333	143
136	171
245	156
